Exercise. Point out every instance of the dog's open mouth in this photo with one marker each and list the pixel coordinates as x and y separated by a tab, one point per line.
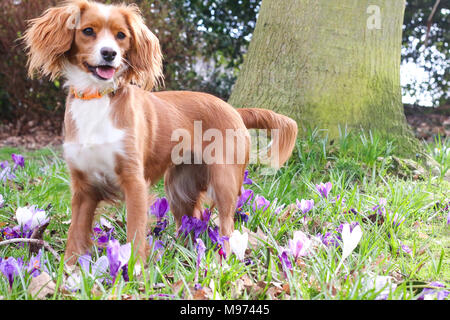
102	72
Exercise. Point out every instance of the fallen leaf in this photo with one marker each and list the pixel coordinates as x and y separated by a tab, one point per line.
300	263
237	289
290	210
273	293
422	235
422	250
248	283
177	287
41	286
286	288
255	240
375	218
202	294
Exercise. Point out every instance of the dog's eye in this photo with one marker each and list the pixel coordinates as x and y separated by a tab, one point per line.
88	31
121	35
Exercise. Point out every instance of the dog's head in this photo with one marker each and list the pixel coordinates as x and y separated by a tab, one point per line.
93	45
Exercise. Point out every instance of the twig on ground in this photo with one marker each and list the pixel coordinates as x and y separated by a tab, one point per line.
33	241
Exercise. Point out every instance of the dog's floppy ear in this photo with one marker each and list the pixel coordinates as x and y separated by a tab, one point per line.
144	56
49	36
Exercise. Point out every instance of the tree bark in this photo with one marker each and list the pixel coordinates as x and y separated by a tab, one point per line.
328	64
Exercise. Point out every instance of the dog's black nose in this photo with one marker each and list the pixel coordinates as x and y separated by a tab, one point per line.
108	54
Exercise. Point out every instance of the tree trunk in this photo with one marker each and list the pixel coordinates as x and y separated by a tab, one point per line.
328	64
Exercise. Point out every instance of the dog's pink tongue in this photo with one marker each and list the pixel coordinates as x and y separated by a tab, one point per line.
105	72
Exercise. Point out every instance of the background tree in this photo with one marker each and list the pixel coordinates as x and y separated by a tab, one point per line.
430	53
328	65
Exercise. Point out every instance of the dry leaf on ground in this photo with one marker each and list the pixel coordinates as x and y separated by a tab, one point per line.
41	286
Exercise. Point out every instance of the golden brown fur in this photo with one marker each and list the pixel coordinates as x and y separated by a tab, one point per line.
149	120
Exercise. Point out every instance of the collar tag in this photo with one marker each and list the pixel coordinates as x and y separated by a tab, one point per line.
89	96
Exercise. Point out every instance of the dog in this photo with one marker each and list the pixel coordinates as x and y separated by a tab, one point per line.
118	134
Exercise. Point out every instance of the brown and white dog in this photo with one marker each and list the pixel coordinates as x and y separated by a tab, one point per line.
119	135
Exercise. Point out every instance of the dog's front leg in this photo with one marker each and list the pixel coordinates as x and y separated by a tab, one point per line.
79	237
135	191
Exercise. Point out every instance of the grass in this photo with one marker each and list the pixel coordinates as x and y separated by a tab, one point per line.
361	170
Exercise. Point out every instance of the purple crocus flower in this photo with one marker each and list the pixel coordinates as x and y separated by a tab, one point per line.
324	189
201	249
305	205
245	197
397	220
19	160
2	201
278	209
429	293
351	210
448	217
159	208
242	215
102	237
338	199
330	239
11	267
95	270
217	240
406	249
285	262
260	203
34	265
247	180
191	223
186	225
156	246
7	174
380	208
200	226
206	215
4	164
118	256
353	224
160	226
299	245
214	234
11	233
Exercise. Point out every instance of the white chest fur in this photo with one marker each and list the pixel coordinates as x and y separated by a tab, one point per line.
97	141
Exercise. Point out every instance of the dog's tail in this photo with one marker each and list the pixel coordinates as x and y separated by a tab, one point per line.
283	131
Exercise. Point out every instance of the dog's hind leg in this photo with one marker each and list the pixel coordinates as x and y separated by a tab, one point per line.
224	188
185	185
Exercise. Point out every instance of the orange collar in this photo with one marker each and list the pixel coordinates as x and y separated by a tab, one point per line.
89	96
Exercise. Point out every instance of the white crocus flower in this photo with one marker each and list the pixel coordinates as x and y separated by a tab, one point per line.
350	239
238	243
38	218
382	284
23	215
31	218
